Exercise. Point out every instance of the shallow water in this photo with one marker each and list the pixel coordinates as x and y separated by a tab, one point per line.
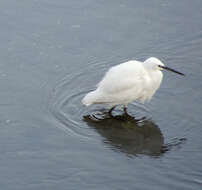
53	52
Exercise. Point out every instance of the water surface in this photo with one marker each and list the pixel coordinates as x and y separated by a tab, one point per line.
53	52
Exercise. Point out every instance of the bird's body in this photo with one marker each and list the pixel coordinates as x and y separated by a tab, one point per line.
128	82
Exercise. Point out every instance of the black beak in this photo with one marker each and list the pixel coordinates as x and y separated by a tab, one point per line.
169	69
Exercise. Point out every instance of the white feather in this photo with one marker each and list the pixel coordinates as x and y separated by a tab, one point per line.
127	82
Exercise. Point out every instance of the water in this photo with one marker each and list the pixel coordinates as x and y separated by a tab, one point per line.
53	52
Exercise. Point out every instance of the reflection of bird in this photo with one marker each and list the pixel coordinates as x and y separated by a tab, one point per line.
125	134
127	82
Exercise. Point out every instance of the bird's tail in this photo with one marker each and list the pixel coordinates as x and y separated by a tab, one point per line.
90	98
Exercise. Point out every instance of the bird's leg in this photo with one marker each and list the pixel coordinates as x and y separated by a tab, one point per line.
125	110
126	113
110	111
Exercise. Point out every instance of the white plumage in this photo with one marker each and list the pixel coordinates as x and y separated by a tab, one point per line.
128	82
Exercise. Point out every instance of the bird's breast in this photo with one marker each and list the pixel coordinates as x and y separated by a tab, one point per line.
151	84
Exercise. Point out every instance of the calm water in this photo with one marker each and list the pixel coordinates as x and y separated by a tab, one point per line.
53	52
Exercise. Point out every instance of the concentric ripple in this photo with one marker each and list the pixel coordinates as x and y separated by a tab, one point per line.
66	108
65	103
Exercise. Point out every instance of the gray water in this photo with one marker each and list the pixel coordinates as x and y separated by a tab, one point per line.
53	52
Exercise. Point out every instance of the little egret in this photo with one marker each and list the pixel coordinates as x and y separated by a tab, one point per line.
127	82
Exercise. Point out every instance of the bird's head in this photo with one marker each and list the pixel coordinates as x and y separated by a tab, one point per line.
153	63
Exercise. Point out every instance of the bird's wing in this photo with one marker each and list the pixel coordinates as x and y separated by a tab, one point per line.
123	77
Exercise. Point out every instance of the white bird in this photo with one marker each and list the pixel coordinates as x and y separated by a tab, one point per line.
127	82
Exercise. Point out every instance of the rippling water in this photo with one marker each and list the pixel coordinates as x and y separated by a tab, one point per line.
54	52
